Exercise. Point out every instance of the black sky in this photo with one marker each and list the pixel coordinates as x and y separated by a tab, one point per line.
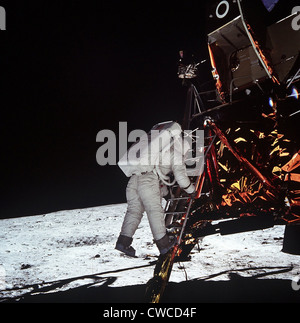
73	68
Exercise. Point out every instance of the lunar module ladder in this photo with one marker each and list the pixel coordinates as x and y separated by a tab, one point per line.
164	265
174	201
181	211
174	207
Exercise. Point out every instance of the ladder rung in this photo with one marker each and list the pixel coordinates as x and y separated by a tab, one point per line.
175	212
178	198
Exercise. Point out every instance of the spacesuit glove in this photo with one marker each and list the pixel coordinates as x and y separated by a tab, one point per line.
190	189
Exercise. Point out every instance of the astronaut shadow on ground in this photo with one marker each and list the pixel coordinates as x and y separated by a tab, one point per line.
254	289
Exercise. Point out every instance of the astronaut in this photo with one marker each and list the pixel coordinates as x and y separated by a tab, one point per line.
144	193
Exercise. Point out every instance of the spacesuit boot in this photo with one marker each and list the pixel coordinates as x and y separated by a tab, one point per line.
165	244
124	245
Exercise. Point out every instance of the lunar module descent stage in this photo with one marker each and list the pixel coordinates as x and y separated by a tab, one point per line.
250	178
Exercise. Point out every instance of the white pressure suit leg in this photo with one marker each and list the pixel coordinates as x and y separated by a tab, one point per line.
150	195
135	208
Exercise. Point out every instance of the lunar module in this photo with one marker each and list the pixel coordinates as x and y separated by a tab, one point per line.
249	177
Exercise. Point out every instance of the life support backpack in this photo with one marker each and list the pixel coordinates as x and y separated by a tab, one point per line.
143	156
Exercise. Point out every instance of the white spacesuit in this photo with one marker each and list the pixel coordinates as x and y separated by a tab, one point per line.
144	193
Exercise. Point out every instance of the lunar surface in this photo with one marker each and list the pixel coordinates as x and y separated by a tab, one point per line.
69	256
